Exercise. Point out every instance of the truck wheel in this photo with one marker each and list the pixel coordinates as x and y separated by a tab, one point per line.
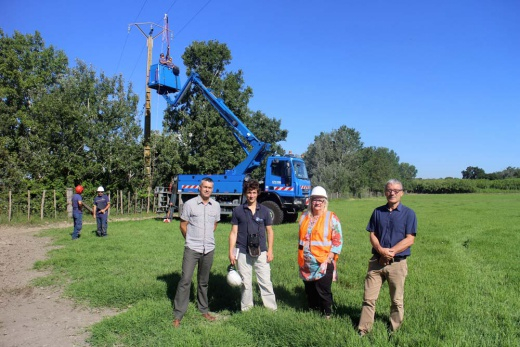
290	218
276	211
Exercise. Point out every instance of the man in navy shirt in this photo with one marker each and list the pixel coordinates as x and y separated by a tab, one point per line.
100	211
392	229
251	227
77	212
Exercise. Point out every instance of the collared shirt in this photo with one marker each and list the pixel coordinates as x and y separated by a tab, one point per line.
390	227
201	220
101	202
248	222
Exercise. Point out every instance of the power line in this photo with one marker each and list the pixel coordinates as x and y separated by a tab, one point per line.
192	18
126	39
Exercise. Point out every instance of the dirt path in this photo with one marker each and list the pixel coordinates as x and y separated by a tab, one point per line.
36	316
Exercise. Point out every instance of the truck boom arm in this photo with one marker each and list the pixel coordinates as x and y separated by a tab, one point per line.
258	149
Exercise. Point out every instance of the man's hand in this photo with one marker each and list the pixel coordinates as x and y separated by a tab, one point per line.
387	253
232	258
384	261
385	256
270	256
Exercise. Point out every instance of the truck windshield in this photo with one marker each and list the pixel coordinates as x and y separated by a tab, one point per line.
300	170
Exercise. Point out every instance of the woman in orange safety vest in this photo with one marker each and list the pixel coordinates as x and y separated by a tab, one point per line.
320	244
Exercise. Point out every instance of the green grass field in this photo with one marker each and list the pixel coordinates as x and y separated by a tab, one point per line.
462	287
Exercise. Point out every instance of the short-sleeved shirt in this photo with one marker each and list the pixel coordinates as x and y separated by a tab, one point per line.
101	202
390	227
76	198
201	220
249	223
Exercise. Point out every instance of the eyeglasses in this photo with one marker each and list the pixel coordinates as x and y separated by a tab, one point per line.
395	191
318	201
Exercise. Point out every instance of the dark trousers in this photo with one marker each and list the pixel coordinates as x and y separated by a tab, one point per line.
182	296
319	293
102	224
78	224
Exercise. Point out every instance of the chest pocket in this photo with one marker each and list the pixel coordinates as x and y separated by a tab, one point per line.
212	217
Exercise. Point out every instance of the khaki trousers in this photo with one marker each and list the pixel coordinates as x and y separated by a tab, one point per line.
377	274
246	264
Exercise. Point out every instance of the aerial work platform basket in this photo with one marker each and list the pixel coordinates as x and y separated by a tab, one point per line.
163	80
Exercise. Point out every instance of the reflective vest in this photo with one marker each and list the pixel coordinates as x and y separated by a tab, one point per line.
321	237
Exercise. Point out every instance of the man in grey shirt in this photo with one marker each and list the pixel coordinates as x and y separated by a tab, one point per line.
199	219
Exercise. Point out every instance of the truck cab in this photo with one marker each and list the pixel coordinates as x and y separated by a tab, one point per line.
286	187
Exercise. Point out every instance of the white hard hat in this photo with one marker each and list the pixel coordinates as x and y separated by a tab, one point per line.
319	191
233	277
100	189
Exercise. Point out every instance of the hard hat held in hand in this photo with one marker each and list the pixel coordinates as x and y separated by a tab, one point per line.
233	277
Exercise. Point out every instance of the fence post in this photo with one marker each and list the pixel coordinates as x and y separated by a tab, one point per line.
148	201
69	202
55	210
116	206
42	205
10	206
129	202
28	205
122	205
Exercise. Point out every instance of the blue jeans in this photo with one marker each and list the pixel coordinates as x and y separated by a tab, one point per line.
102	224
78	224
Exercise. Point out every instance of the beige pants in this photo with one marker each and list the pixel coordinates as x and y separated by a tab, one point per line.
246	264
377	274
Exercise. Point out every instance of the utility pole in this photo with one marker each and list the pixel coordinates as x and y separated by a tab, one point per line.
148	113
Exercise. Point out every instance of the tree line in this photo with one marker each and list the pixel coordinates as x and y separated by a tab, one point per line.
475	172
62	126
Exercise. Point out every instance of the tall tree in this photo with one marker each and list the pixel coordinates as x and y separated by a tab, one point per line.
206	145
379	165
28	70
88	131
473	172
407	173
333	160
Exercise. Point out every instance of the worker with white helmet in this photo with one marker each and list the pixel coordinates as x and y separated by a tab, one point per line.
100	211
320	243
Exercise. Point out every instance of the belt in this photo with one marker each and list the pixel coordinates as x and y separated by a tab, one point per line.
398	259
395	259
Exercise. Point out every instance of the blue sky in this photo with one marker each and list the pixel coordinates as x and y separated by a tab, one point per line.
438	82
